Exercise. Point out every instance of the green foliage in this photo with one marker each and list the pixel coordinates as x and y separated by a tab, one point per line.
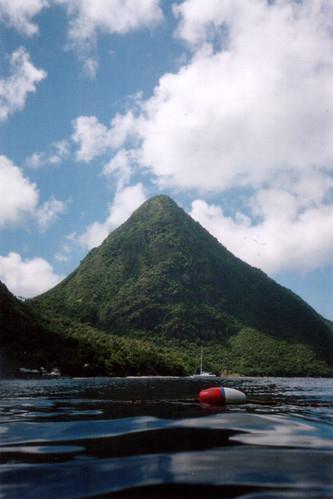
256	354
92	352
78	349
32	341
25	342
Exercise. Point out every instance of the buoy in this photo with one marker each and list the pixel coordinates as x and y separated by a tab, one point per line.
218	395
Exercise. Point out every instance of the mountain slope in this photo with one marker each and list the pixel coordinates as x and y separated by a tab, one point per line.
162	274
30	340
24	341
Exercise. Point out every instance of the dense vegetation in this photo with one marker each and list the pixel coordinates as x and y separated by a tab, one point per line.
162	278
31	341
24	341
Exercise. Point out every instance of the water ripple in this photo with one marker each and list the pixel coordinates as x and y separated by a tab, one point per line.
131	438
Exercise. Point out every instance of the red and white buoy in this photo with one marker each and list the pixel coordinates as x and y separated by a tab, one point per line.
220	396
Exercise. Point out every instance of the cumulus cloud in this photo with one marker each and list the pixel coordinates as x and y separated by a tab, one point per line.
121	166
94	139
27	278
88	17
18	196
261	101
23	79
282	229
125	202
57	153
48	212
237	113
19	199
91	136
19	14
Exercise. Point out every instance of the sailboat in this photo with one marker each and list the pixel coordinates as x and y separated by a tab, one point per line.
202	374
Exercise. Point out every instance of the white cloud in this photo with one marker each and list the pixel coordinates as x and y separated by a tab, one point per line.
23	79
27	278
19	199
18	196
94	139
282	230
59	151
61	257
88	17
259	102
64	253
48	212
121	166
56	154
90	67
200	21
94	235
19	14
36	160
125	202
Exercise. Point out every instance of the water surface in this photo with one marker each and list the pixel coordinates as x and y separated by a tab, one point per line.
149	437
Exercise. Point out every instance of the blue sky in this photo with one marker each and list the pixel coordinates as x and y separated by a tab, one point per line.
226	106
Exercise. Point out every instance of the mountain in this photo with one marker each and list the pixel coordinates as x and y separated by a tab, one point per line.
163	277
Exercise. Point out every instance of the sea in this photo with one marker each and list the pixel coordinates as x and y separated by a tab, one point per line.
149	438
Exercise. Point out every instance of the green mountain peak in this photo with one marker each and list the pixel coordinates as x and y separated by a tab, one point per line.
161	201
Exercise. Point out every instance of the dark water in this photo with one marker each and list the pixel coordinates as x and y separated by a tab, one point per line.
130	438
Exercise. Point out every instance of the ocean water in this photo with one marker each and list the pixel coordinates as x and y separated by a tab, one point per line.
150	438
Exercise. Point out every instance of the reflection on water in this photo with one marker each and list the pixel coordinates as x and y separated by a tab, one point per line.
149	437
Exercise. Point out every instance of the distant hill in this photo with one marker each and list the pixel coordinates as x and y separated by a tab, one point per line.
162	277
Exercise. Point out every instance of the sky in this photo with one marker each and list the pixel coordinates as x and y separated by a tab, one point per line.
224	105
